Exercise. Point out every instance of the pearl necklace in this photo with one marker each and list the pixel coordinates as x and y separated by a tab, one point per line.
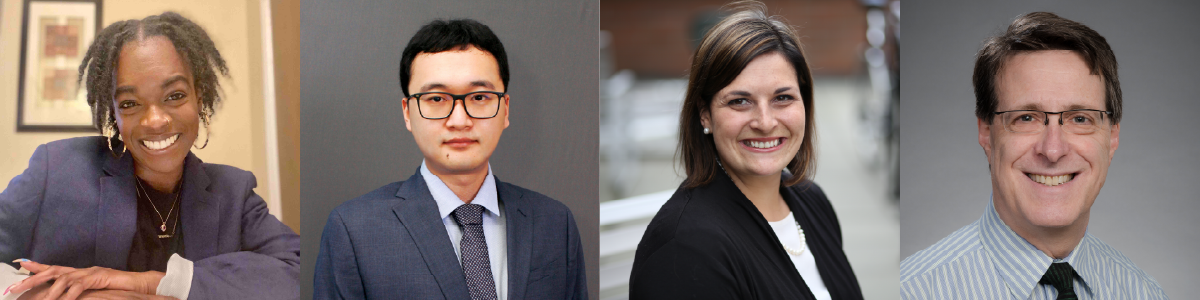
790	250
803	243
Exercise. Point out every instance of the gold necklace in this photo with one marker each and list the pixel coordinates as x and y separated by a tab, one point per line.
162	227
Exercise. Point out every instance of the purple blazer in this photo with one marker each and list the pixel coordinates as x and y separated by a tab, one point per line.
75	206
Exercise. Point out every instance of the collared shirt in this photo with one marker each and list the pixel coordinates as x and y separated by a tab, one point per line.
493	222
987	260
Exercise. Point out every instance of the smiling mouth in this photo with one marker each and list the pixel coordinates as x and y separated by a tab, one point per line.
1051	180
763	144
161	144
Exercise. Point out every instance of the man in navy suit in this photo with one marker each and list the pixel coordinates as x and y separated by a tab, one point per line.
452	230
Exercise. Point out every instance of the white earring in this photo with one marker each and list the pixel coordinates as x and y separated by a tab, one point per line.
706	131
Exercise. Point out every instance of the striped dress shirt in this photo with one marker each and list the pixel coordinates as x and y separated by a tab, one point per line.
987	260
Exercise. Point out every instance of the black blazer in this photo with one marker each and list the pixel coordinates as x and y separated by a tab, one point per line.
710	242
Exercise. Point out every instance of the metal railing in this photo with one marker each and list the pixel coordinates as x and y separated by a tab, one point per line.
622	223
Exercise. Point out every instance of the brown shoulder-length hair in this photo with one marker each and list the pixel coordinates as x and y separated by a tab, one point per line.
1038	31
725	50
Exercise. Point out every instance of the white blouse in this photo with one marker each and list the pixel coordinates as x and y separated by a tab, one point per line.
788	232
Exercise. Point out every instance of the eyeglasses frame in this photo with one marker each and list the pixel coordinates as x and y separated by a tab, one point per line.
456	98
1046	122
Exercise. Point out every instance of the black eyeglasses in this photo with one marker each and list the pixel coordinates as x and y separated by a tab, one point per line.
1077	121
438	105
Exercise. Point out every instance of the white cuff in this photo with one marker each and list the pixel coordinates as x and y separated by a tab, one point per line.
178	280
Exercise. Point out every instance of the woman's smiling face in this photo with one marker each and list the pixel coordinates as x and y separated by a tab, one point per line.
758	120
156	106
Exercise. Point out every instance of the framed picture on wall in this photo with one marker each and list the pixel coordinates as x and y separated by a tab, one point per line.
55	36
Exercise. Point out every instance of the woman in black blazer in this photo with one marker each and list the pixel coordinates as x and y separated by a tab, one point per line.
746	223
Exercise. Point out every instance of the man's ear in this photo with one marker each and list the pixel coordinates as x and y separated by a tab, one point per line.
407	123
504	106
1114	140
985	137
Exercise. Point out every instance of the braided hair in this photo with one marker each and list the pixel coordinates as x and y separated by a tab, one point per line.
198	51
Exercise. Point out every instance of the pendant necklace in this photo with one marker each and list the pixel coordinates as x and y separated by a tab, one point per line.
163	226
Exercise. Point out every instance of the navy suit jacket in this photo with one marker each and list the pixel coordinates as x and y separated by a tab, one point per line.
392	244
75	206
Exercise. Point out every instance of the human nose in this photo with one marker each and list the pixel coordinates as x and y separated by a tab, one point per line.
764	118
156	119
1052	144
458	119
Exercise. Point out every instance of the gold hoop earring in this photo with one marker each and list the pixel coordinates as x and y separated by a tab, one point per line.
207	132
115	136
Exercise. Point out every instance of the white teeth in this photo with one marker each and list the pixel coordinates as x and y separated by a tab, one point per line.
1052	180
159	145
763	145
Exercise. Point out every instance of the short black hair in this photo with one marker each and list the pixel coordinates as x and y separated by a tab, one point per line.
196	49
441	35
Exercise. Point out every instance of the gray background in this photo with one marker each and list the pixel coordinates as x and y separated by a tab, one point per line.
1149	204
353	136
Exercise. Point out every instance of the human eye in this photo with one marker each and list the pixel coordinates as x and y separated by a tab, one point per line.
126	104
784	99
1081	118
738	103
482	97
176	96
1024	117
435	98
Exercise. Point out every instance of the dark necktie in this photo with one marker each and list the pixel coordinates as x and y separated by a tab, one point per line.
1060	275
473	249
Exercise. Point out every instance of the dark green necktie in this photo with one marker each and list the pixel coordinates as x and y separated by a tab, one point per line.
1060	276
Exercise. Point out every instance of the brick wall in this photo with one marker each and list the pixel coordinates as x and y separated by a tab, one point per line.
654	37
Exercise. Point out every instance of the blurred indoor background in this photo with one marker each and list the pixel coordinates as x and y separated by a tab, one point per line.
254	129
645	49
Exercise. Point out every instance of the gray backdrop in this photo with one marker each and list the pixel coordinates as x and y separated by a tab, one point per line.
1149	204
353	136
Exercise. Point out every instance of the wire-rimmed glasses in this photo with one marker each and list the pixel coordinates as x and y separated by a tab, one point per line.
439	105
1077	121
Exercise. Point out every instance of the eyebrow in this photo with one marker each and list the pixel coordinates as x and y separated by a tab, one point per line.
177	78
1035	106
438	85
747	94
166	83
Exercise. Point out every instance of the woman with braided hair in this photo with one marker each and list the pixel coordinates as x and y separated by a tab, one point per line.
135	213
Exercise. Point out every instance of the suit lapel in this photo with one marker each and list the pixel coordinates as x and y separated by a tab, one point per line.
117	216
419	214
519	228
198	212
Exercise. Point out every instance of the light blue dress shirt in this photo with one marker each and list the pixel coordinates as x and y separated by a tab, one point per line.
987	260
493	223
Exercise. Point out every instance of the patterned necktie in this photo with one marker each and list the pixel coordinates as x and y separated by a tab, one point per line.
473	249
1060	275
